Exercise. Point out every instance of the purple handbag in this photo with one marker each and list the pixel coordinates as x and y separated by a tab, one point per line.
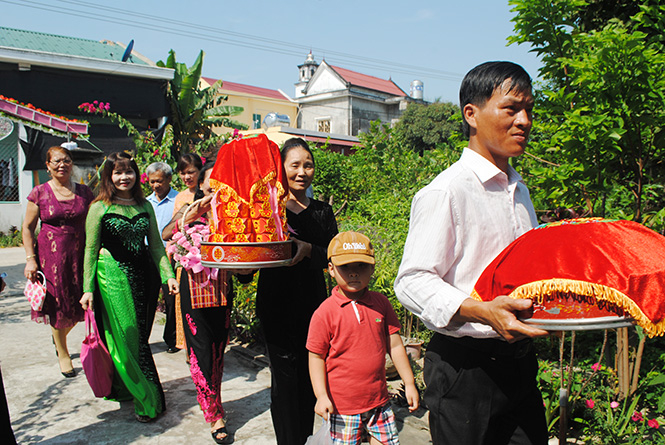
95	359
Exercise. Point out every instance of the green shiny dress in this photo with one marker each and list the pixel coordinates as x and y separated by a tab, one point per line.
120	269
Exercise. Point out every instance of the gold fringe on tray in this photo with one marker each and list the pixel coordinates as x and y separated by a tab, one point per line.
591	293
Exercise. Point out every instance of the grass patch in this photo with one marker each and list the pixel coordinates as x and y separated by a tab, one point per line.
11	238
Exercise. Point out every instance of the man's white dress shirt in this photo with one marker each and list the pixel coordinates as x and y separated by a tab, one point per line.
459	223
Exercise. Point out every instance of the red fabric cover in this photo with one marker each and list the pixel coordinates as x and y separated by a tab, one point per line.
355	352
251	188
243	162
621	255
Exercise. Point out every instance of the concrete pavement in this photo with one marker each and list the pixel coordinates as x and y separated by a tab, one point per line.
47	408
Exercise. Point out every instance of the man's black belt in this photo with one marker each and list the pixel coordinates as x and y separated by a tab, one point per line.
491	347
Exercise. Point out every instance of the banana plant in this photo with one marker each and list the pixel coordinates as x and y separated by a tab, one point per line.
195	110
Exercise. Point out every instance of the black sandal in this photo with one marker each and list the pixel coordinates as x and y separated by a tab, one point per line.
225	439
144	419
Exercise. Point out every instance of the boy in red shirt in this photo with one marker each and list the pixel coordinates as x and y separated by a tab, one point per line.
349	335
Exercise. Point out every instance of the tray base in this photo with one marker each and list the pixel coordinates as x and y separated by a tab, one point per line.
246	255
248	265
579	324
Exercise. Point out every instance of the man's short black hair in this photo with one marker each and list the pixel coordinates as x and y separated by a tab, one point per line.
480	83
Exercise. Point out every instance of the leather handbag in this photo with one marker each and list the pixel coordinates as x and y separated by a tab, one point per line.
36	292
95	359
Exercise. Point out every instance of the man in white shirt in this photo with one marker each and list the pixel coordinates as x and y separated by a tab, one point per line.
163	200
480	367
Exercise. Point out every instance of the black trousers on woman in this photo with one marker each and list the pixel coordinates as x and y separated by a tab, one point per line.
291	395
206	335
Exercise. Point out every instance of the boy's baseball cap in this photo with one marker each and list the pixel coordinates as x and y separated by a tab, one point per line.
350	247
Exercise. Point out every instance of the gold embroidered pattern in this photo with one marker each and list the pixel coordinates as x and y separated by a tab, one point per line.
242	221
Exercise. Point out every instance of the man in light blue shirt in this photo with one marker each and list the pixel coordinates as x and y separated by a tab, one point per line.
163	201
163	196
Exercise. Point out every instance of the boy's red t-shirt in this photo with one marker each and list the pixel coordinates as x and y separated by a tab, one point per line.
355	350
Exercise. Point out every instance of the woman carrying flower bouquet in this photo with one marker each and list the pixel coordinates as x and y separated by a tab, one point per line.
189	167
206	296
123	272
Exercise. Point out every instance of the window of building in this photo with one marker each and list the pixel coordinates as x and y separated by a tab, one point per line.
324	125
256	121
8	161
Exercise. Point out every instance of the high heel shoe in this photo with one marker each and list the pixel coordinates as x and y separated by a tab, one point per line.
68	364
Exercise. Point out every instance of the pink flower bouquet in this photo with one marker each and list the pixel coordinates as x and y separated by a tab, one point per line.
186	250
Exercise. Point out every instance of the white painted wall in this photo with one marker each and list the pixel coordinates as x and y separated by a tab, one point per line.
336	109
324	81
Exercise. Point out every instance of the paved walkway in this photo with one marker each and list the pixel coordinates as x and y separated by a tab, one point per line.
47	408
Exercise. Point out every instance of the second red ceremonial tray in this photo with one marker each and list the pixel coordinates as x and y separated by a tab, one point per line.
567	311
582	274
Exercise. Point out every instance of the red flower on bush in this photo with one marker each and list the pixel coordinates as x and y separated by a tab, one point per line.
595	366
95	107
590	403
637	417
144	178
653	423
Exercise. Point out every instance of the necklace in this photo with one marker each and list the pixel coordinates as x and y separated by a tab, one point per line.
124	199
58	190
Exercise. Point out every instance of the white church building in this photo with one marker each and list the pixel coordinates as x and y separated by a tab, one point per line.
332	99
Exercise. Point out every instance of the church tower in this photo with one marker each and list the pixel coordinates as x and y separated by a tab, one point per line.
305	73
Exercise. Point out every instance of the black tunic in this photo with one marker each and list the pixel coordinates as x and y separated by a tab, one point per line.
286	299
288	296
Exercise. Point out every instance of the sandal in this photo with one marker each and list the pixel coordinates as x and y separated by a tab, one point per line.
225	439
144	419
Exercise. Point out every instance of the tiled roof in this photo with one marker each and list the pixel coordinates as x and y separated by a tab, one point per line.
71	46
369	82
248	89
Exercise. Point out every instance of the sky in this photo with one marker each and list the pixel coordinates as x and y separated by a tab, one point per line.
261	43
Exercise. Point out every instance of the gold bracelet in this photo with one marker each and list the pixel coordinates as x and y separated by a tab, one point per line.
30	256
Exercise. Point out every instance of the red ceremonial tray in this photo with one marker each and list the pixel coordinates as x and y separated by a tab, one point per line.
246	255
576	313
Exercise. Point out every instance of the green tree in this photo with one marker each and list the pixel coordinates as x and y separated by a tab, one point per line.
194	111
599	140
426	127
596	14
600	110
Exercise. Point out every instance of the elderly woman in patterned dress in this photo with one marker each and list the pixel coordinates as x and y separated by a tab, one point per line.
61	206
